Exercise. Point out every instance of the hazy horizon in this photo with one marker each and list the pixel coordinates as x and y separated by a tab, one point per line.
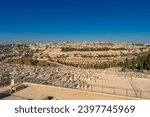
28	38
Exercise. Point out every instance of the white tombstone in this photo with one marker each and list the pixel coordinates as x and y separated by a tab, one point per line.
12	81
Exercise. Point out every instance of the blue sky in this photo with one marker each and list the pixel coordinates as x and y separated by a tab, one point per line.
74	20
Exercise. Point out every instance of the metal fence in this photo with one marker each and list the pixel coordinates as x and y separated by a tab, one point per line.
8	82
106	89
5	83
119	91
98	88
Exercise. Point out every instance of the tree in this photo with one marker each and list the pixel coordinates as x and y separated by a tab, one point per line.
148	62
126	63
133	64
